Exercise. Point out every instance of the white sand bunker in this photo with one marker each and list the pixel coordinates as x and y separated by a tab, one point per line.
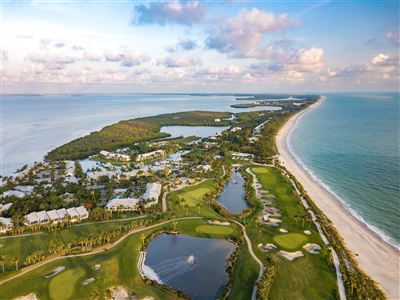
307	232
221	223
31	296
87	281
121	293
271	221
312	248
55	272
267	247
97	267
291	255
283	230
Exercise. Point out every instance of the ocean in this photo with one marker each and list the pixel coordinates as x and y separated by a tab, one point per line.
350	144
32	125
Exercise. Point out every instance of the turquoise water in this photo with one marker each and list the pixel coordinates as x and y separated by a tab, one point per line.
350	143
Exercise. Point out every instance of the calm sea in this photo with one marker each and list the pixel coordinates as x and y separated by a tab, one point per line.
350	143
33	125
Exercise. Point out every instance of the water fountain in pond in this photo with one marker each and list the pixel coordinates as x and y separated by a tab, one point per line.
171	268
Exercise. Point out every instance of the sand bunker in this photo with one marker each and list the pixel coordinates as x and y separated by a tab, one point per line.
283	230
221	223
312	248
120	293
97	267
290	255
307	232
87	281
31	296
271	221
55	272
267	247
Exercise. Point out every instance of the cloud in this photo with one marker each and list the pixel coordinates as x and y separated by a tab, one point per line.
91	57
59	45
179	61
50	61
244	35
44	43
393	37
77	48
4	55
178	12
127	59
183	44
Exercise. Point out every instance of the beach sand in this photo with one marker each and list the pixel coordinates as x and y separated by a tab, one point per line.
376	257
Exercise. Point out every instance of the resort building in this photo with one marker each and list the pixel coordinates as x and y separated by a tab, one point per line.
53	216
234	129
152	194
5	224
32	219
150	155
5	207
122	204
42	217
115	156
69	168
242	156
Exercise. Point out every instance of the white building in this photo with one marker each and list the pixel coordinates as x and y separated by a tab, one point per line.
5	207
5	224
234	129
43	217
53	216
69	168
122	204
150	155
204	168
115	156
152	194
82	212
73	214
32	219
62	212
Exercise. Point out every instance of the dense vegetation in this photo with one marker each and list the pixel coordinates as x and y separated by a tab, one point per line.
131	131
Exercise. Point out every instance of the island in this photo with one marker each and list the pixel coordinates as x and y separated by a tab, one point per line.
130	211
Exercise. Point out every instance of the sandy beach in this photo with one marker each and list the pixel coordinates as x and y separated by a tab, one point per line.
376	257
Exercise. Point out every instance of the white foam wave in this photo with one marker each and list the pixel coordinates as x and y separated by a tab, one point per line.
151	274
341	201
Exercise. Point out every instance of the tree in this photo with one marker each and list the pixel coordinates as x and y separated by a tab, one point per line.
175	223
2	262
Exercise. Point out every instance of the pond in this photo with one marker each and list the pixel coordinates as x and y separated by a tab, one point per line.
199	131
233	195
194	265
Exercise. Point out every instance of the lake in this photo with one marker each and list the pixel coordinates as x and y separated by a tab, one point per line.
233	195
194	265
199	131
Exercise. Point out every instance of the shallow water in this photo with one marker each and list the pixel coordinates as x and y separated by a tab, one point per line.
350	143
168	254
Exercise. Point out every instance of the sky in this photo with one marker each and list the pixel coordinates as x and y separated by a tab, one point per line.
222	46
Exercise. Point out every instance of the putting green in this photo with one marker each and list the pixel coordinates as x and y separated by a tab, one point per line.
214	229
260	170
62	285
290	241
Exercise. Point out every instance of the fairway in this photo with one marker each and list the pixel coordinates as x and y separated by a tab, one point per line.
191	197
62	285
212	229
290	241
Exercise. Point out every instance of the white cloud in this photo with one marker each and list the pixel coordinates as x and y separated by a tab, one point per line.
244	35
393	37
176	61
161	13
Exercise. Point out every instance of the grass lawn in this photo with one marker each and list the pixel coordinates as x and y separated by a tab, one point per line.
290	241
118	267
307	277
214	229
22	246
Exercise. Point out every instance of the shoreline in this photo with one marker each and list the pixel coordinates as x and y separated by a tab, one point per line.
376	257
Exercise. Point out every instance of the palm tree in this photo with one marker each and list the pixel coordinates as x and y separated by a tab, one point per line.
175	223
2	262
15	260
198	206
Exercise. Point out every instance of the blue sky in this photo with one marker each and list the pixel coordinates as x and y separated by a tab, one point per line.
199	46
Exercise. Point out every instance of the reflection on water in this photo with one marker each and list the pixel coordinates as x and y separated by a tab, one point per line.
194	265
233	195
